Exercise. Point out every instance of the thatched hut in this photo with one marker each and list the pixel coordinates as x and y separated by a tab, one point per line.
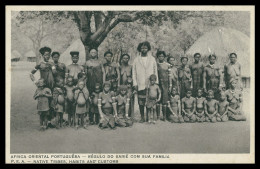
222	41
30	55
15	56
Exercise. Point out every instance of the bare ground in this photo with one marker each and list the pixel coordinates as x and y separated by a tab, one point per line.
164	137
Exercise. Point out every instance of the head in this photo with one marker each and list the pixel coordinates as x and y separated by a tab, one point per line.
93	53
124	58
210	94
82	75
161	55
171	60
184	60
129	81
122	89
55	56
144	47
59	82
200	92
174	91
97	87
153	79
81	84
70	81
46	53
108	56
106	86
233	83
188	93
74	56
233	57
40	83
197	57
212	59
222	96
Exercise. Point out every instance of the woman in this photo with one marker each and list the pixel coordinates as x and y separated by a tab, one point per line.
47	69
94	69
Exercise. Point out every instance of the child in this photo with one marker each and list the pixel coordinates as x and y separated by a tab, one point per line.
42	94
234	97
81	97
106	107
184	74
111	71
94	115
222	108
189	107
130	94
70	103
59	101
173	73
153	96
211	107
174	106
164	82
200	106
122	119
74	69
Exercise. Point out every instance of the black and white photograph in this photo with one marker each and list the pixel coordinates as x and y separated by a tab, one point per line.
130	84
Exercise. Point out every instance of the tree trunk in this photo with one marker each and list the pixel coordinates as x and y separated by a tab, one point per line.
87	52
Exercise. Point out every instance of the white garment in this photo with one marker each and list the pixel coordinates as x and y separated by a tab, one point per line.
144	60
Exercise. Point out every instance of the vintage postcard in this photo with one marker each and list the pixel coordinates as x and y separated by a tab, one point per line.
130	84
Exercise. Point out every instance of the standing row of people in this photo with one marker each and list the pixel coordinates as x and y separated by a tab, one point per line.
105	92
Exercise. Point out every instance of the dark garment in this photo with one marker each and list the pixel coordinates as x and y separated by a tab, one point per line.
60	71
197	77
141	97
184	75
213	80
109	119
94	76
125	72
70	107
111	74
163	76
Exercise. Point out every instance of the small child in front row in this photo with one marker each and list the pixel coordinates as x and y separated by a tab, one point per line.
59	101
174	105
94	114
189	107
70	102
153	97
211	107
222	108
200	113
42	94
81	97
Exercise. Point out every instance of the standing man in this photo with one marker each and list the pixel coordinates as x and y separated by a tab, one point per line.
144	66
232	71
197	69
212	77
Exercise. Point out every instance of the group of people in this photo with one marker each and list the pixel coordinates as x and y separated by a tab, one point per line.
105	92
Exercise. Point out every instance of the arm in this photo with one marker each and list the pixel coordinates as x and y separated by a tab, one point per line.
159	92
205	108
183	106
194	106
104	73
222	84
179	106
225	111
67	72
36	94
155	70
169	106
118	75
134	74
114	104
216	107
204	79
33	72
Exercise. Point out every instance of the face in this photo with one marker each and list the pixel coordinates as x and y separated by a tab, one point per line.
93	53
234	84
108	57
46	56
55	58
212	60
123	92
144	49
172	61
222	96
106	88
84	76
233	58
199	93
161	58
81	85
197	58
75	58
152	81
60	83
210	95
188	94
70	82
40	83
97	89
173	91
184	61
125	59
